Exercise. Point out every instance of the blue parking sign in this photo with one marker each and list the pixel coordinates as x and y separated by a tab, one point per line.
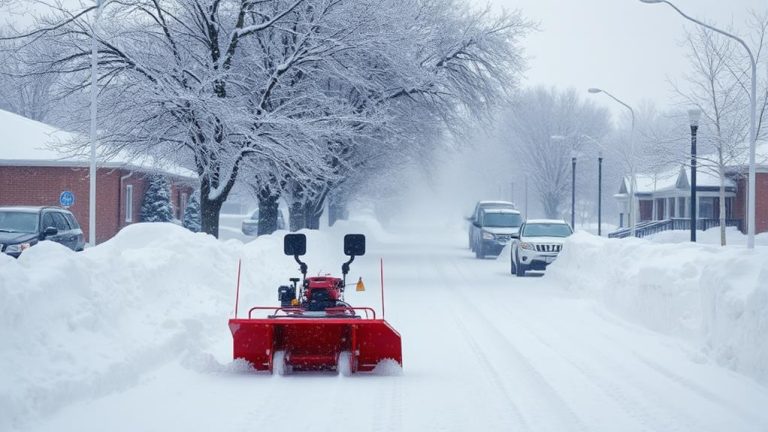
67	199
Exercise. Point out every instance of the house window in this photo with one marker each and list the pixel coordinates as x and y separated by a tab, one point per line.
706	208
683	207
129	203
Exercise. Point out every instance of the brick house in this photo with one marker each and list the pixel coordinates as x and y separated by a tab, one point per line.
33	172
666	197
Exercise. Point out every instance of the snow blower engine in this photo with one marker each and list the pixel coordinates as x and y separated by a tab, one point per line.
314	329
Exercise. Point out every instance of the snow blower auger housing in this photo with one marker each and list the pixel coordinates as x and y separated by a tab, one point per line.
313	329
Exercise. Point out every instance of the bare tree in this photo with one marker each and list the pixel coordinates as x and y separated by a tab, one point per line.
538	116
717	85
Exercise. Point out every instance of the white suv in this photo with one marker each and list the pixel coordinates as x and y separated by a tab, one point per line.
538	244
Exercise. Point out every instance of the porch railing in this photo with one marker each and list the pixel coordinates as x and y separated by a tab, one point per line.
647	228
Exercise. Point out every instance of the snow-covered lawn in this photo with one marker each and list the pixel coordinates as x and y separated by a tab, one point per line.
617	336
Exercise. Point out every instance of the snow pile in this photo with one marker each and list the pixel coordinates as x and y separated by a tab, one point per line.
733	237
716	297
77	326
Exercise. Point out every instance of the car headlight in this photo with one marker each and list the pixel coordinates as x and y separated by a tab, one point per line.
528	246
488	236
17	248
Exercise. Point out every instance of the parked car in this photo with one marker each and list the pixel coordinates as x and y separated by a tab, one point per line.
251	223
538	244
476	214
23	227
493	230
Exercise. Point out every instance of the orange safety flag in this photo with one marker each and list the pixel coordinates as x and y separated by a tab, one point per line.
360	285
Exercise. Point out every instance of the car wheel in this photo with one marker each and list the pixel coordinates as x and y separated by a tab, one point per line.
519	267
513	267
480	251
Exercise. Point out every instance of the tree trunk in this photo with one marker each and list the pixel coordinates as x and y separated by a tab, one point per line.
337	209
209	210
268	209
312	215
297	219
722	207
551	204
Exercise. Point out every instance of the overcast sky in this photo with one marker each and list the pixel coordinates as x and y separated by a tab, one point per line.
624	46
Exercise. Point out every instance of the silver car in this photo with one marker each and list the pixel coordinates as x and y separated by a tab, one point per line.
538	244
250	225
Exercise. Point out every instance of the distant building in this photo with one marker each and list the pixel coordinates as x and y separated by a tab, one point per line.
33	172
666	197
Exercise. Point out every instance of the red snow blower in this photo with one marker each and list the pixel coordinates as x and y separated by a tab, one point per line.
313	329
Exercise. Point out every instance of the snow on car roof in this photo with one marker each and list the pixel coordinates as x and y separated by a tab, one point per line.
501	210
496	203
546	221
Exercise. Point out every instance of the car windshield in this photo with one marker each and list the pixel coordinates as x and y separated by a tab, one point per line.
546	230
15	221
502	220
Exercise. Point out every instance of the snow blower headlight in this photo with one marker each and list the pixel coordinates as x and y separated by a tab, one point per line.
488	236
527	246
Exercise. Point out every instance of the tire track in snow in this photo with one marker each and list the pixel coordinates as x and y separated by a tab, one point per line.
688	384
493	377
656	418
660	416
393	407
636	408
548	398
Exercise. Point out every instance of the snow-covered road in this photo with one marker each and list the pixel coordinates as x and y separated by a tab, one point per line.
482	350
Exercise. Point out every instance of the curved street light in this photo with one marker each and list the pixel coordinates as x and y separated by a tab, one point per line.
632	181
752	117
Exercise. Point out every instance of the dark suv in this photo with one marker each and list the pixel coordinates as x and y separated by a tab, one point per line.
23	227
494	228
475	218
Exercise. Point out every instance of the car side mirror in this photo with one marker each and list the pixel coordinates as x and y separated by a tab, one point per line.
354	245
295	244
50	231
516	235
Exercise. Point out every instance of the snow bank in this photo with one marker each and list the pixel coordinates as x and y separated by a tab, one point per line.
716	297
81	325
733	237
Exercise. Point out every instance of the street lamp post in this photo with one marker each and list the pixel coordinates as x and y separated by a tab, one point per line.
752	117
693	115
631	155
573	189
93	137
574	156
600	193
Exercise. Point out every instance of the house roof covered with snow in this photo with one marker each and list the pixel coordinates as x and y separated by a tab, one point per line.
673	179
26	142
